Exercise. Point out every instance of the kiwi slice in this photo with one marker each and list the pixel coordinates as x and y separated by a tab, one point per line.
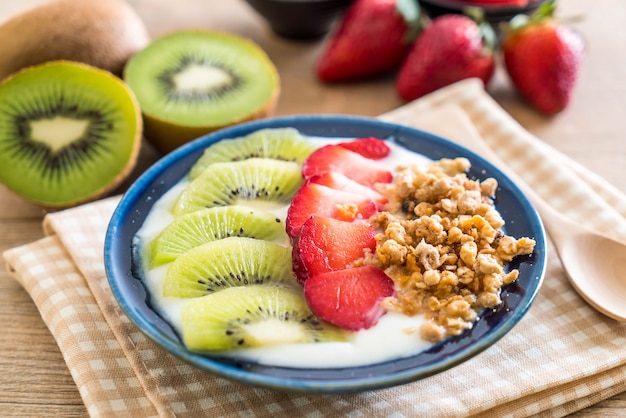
233	261
254	316
69	133
196	228
279	143
191	82
223	184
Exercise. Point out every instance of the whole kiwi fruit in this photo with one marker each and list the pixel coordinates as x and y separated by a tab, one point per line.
101	33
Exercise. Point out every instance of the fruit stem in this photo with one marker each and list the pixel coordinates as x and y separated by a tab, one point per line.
487	33
411	12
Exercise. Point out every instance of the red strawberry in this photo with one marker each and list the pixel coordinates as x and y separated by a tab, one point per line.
349	298
508	3
355	166
372	38
454	47
338	181
542	58
315	199
326	244
372	148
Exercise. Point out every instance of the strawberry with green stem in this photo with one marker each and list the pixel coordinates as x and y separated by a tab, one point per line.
372	38
451	48
543	57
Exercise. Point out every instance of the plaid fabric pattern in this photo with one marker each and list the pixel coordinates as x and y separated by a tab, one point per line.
562	357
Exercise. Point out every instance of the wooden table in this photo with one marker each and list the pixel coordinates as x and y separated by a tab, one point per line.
34	380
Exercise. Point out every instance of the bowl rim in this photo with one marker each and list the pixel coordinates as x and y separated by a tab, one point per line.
244	372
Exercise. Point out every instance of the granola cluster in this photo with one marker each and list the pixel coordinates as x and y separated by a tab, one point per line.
442	244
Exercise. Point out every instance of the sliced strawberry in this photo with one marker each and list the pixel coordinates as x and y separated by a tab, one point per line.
339	181
372	148
316	199
349	298
355	166
327	244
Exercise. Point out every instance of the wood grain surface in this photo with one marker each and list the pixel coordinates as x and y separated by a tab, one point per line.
34	380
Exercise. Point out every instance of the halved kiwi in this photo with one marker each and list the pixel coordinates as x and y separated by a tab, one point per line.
191	82
223	184
255	316
196	228
233	261
285	144
69	133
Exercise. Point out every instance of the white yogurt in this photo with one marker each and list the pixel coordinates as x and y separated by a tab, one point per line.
394	336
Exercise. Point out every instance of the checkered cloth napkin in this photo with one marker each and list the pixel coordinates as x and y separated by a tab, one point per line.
563	356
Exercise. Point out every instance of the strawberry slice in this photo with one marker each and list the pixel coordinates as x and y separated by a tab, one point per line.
316	199
349	163
327	244
339	181
349	298
372	148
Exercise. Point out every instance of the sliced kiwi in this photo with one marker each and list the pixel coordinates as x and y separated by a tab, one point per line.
229	262
69	133
254	316
279	143
191	82
223	184
196	228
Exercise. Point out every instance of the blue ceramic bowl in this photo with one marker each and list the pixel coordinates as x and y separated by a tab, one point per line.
126	280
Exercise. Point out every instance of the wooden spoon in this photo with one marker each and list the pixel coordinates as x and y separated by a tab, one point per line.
595	264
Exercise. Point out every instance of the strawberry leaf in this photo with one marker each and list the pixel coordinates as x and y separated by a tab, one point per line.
487	33
412	14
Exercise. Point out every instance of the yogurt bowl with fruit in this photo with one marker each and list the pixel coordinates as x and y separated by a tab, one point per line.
324	253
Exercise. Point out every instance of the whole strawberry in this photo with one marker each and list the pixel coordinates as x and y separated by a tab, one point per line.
452	48
497	3
542	58
372	38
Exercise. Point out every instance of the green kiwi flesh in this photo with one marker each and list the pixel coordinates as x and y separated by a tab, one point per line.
279	143
68	133
254	316
191	82
223	184
196	228
229	262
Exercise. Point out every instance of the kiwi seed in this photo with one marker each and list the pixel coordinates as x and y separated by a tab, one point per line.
196	228
233	261
256	316
69	133
101	33
191	82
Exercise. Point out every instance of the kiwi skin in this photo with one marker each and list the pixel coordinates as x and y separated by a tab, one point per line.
100	33
131	162
166	137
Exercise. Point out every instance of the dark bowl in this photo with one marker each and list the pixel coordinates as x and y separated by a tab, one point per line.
494	14
300	19
127	286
